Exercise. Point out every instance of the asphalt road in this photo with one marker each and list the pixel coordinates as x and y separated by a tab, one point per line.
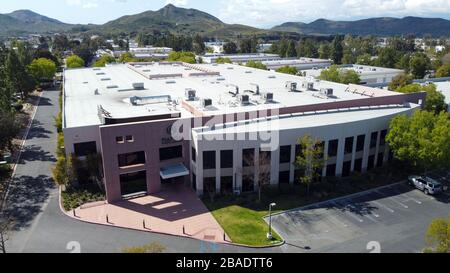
392	219
40	226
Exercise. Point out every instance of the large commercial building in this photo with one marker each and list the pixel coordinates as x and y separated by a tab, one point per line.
220	128
240	58
300	63
368	74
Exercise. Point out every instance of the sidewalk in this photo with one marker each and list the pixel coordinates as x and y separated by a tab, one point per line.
176	210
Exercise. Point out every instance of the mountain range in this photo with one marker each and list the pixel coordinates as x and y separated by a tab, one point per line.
191	21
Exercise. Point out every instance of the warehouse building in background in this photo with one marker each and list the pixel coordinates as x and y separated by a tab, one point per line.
209	125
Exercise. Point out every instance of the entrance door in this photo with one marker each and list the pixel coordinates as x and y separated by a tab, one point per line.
132	183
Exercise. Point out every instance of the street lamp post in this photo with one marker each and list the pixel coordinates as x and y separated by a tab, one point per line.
269	234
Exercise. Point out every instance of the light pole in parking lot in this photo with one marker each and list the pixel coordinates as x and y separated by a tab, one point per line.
269	234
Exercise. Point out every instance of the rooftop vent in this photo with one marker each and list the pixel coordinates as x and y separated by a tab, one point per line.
221	79
255	88
96	92
206	103
244	99
248	72
230	68
100	73
105	79
138	86
268	97
272	77
327	91
190	94
234	92
112	86
170	82
291	86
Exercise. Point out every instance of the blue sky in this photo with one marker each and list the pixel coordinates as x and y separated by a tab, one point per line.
259	13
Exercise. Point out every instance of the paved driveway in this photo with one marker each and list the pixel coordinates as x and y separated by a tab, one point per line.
396	217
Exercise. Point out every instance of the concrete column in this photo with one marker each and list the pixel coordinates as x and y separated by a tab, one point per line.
366	152
355	139
217	171
199	172
275	169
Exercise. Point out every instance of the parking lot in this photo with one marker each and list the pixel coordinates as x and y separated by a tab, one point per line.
395	217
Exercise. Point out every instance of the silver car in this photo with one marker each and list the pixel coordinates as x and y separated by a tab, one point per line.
425	184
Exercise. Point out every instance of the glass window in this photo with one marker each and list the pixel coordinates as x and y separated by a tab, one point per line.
226	159
209	160
380	159
170	153
360	143
285	154
331	170
283	177
358	165
321	147
346	168
248	183
129	138
193	154
265	157
383	137
85	148
349	145
373	140
226	185
133	182
131	159
248	157
371	162
209	185
119	139
333	147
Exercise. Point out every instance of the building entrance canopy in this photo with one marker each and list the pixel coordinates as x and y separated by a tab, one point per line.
174	171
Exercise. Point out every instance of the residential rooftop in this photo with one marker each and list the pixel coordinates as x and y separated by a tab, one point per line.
135	90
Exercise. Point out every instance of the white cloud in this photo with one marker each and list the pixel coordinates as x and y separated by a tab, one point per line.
270	12
177	2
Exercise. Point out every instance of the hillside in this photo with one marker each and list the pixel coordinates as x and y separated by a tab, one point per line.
26	21
384	26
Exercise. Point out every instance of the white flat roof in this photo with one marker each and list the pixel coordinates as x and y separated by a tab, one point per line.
111	88
309	120
363	70
444	87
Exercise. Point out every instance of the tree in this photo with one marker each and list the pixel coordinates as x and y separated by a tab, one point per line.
291	49
349	76
258	65
264	163
337	50
223	60
438	236
404	62
42	69
443	71
248	45
335	74
230	48
9	128
423	140
365	59
186	57
288	70
419	65
103	60
198	45
18	79
399	81
127	57
5	227
310	159
435	100
324	51
307	48
74	61
387	57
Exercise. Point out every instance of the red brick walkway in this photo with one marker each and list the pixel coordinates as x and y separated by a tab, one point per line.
168	211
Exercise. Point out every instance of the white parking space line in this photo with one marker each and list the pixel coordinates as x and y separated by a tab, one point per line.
383	206
397	202
346	212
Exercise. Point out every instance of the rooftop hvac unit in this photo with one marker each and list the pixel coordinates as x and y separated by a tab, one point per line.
190	94
244	99
268	97
255	88
138	85
291	86
206	103
326	91
309	86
